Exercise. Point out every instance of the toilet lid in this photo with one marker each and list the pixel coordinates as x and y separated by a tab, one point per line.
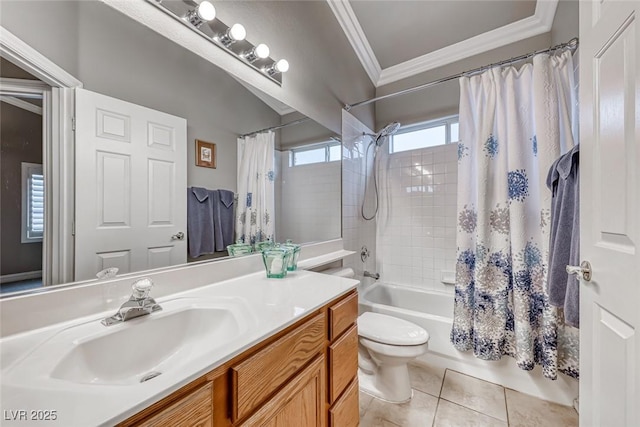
390	330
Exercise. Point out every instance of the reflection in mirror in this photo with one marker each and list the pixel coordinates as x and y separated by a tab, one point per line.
115	57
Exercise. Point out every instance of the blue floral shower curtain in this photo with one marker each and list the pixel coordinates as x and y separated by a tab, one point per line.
513	125
256	191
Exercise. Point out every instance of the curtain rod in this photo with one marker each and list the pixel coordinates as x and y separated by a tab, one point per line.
295	122
571	45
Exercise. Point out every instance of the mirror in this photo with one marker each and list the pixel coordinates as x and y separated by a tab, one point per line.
115	56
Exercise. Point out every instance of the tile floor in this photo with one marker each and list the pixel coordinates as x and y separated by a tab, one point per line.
446	398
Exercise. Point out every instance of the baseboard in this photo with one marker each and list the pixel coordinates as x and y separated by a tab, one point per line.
17	277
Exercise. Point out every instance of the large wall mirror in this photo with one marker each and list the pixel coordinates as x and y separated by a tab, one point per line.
115	57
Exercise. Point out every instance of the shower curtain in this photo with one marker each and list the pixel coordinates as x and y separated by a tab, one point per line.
255	207
513	125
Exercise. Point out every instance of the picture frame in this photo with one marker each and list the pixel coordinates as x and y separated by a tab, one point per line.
206	155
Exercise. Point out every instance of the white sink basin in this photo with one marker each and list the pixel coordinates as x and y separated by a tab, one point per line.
140	349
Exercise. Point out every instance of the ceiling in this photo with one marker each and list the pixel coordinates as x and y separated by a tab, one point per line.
396	39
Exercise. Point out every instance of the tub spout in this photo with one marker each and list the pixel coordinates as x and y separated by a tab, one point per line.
375	276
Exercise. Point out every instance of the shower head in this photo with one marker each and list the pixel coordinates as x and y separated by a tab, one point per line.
383	133
386	131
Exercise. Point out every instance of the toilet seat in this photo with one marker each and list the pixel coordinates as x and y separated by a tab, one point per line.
388	330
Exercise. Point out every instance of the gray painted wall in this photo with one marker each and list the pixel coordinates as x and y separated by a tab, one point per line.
86	39
325	73
21	136
443	100
116	56
308	132
565	23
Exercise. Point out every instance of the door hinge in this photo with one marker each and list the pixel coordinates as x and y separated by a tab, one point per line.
73	124
73	228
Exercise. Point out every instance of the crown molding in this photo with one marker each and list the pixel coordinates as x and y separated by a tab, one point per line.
539	23
353	30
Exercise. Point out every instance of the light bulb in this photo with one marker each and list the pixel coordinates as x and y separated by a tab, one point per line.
262	51
237	32
206	11
282	66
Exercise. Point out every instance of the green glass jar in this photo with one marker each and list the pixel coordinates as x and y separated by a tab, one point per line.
239	249
295	253
275	261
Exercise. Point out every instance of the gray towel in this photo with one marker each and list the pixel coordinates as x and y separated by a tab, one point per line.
200	222
564	245
223	218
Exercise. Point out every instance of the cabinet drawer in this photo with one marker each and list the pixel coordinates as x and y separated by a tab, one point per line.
346	411
266	371
195	409
300	403
343	362
342	315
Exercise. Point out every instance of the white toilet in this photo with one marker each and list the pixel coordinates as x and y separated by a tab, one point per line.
386	345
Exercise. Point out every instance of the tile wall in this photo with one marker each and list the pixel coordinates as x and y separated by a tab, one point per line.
416	227
356	232
309	202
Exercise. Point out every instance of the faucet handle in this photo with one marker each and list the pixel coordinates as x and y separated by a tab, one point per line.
142	287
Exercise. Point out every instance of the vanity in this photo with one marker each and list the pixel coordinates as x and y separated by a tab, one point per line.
242	352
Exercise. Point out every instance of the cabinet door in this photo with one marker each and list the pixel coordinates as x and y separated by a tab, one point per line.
299	404
195	409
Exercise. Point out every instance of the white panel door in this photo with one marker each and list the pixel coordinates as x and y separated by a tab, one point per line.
131	180
610	221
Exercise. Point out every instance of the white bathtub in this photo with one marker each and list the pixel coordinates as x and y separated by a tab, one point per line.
433	311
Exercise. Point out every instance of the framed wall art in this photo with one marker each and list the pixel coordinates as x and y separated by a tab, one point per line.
205	154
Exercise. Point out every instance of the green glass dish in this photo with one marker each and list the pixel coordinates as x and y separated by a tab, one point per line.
239	249
275	262
295	253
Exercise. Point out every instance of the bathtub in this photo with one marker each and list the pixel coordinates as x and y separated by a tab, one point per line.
433	310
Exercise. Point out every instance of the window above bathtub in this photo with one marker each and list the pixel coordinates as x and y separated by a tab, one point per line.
323	152
426	134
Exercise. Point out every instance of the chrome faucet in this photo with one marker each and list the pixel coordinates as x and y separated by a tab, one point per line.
374	276
139	303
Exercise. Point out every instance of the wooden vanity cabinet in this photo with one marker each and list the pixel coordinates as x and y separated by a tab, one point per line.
303	376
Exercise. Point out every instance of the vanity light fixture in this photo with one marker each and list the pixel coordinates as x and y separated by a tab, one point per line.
200	17
204	12
281	66
261	51
233	34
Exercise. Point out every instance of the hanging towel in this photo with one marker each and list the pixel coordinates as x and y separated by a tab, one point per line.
564	246
223	218
200	229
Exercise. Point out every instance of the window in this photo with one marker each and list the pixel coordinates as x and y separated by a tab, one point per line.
423	135
316	153
32	203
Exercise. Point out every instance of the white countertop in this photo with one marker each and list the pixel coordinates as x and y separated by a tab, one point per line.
274	303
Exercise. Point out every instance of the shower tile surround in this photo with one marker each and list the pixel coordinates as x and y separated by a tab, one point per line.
356	232
307	195
448	398
417	225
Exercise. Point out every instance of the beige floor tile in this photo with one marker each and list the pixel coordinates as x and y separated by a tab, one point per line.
452	415
364	401
529	411
476	394
427	379
374	420
419	412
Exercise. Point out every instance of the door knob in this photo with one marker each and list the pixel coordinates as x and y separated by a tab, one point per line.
583	269
178	236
